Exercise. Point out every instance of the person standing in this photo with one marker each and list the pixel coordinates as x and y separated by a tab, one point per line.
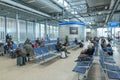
7	37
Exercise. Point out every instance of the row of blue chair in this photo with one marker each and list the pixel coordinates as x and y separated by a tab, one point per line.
46	52
73	45
83	67
109	67
46	42
9	52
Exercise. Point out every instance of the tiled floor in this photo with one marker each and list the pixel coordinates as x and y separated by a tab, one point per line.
58	69
95	72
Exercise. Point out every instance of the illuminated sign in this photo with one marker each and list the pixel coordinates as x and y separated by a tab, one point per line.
113	24
72	22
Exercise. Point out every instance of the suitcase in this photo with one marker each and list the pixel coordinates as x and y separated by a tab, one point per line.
20	61
1	50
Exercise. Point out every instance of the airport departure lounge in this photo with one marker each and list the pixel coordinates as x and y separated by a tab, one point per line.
59	39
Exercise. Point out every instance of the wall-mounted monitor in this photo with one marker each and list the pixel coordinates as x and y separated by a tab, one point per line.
73	30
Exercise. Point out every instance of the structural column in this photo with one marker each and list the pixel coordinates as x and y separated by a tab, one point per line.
5	27
26	29
34	29
17	29
84	33
45	29
111	32
40	30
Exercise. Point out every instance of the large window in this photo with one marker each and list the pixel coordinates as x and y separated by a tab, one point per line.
11	28
37	30
30	30
48	29
115	32
51	32
102	32
22	28
56	32
42	31
2	28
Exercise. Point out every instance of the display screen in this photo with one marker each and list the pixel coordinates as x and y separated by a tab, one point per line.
73	30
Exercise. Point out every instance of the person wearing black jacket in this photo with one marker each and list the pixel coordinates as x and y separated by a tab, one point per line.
86	53
60	47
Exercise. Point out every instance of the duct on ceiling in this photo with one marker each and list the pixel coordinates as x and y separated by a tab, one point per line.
22	7
44	5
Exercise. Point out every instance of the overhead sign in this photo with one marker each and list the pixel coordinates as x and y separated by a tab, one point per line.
113	24
72	22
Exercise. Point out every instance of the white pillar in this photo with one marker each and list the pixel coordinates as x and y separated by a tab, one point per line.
17	29
5	27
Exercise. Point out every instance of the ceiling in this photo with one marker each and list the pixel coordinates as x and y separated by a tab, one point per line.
11	12
95	13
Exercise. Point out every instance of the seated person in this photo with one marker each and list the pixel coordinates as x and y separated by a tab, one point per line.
66	43
21	52
80	44
108	45
36	44
29	49
104	45
9	47
60	47
86	53
28	41
109	49
42	42
76	41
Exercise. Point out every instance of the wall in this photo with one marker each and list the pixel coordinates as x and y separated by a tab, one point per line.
65	30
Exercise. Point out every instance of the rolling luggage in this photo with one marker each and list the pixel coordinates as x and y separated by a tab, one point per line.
1	50
20	61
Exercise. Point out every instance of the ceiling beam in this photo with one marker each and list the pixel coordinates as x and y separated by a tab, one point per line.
113	10
97	13
65	10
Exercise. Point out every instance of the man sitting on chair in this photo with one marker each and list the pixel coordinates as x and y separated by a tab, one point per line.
86	53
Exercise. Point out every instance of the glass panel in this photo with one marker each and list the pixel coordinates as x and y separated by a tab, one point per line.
115	32
22	29
11	28
30	32
57	32
42	31
51	32
54	32
102	32
37	30
48	29
2	28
